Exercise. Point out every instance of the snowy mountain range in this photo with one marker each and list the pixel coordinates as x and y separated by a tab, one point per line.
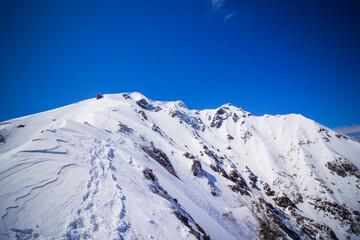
126	167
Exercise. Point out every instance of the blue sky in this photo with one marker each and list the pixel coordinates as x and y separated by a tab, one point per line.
268	57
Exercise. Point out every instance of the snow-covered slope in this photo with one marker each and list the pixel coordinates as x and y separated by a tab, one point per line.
126	167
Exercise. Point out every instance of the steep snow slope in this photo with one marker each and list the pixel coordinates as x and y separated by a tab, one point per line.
126	167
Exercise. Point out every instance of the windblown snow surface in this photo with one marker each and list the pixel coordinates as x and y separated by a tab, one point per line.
126	167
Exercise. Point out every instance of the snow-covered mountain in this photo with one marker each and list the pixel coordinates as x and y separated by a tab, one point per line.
126	167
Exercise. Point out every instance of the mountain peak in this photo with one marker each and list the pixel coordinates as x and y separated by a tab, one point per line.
127	167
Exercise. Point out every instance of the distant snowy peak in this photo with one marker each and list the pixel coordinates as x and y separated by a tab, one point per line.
351	131
122	166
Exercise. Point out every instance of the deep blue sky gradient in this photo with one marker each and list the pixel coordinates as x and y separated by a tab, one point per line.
270	57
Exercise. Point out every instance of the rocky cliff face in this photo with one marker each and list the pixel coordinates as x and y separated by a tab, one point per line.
126	167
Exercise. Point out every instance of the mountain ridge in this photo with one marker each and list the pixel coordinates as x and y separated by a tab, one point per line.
152	169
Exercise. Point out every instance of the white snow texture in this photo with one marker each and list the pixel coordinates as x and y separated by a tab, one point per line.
127	167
